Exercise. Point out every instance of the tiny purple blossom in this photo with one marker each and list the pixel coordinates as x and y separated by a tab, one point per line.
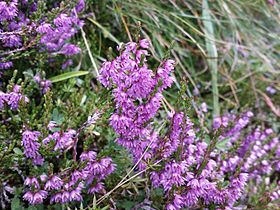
35	197
31	146
75	195
52	125
70	49
31	181
204	107
144	43
6	65
53	183
80	6
270	90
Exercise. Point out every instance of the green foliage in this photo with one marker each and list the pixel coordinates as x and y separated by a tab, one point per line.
232	43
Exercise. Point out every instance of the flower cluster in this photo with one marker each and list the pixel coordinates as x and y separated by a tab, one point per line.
137	92
275	195
87	174
31	146
54	38
8	10
189	172
67	186
44	84
19	31
192	173
57	141
258	154
61	140
201	172
12	99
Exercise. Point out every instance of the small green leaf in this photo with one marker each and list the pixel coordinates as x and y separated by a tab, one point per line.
67	75
57	117
105	208
127	204
32	208
15	204
18	151
207	139
222	144
225	184
94	205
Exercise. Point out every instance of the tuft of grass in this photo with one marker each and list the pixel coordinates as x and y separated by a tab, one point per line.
245	36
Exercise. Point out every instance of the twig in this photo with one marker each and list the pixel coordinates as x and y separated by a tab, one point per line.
123	181
134	176
167	103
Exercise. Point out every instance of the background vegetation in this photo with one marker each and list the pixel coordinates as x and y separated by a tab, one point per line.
227	54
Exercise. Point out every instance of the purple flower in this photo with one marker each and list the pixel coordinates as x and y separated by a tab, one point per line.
275	195
236	187
13	98
16	22
45	85
37	78
43	177
6	65
90	156
8	11
65	197
69	62
80	6
144	43
53	183
97	188
31	146
54	38
63	20
178	201
3	97
35	197
52	125
171	207
70	49
270	90
12	41
134	83
75	195
31	181
28	196
56	198
62	140
76	175
44	28
39	196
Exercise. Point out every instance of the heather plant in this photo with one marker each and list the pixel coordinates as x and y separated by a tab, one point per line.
38	32
136	133
51	162
192	172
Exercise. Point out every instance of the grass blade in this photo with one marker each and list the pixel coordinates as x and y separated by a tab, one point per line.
67	75
212	55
